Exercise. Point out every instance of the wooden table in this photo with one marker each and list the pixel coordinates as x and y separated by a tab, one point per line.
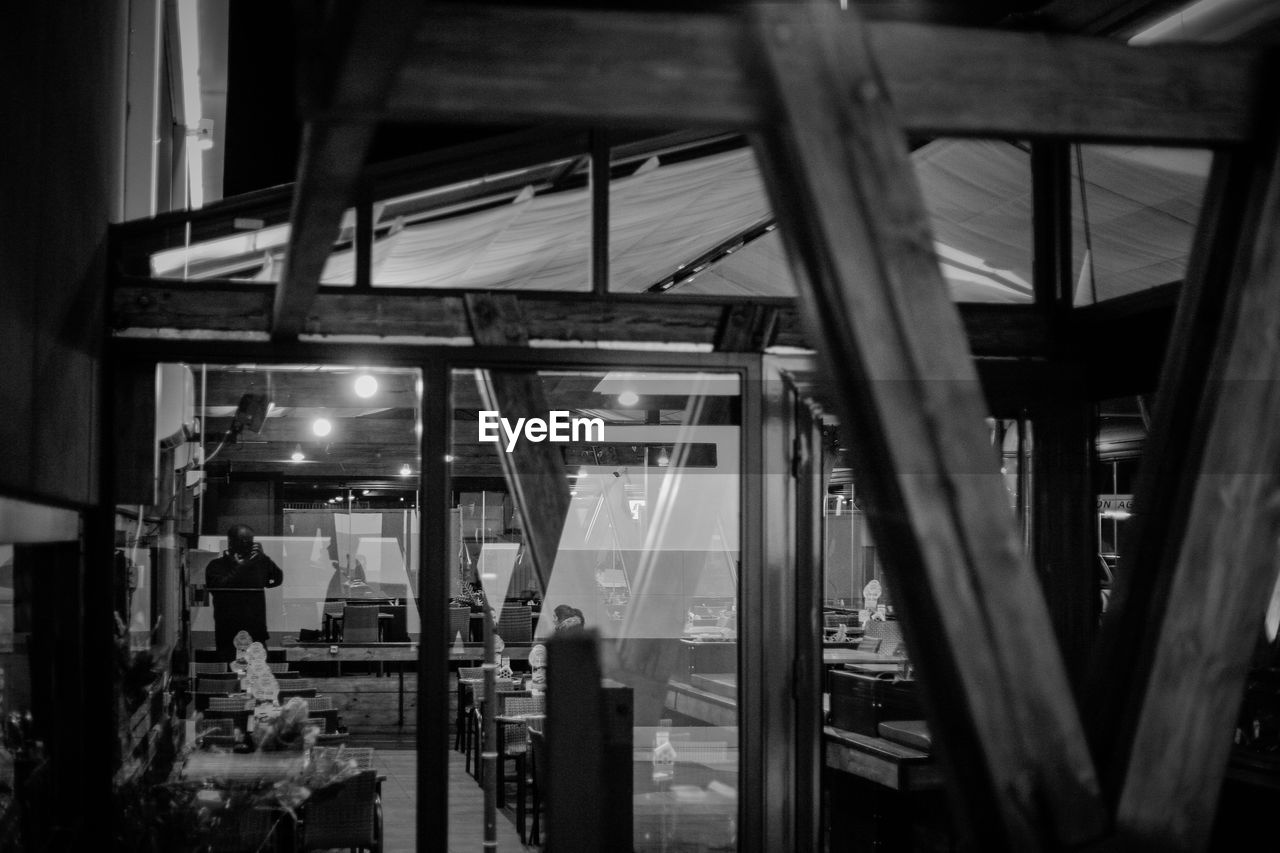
884	762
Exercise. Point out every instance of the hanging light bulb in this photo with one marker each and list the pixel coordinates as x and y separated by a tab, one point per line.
366	385
298	455
663	458
404	471
628	398
321	427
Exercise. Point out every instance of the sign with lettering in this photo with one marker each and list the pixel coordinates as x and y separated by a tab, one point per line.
1115	503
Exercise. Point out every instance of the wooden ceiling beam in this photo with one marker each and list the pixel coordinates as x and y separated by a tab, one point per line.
1204	561
370	41
483	62
997	695
1006	331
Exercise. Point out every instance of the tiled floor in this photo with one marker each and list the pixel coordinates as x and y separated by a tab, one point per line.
466	806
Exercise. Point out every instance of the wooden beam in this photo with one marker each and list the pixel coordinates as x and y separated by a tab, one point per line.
373	40
522	63
198	308
1219	560
1182	378
996	692
535	472
1064	518
746	328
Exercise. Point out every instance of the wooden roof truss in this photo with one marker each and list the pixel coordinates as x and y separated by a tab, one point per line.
829	101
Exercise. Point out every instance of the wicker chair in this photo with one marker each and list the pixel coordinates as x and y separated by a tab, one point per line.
250	831
348	814
362	755
215	734
228	703
278	667
515	625
466	701
225	683
239	719
513	745
459	623
209	668
321	703
360	623
506	690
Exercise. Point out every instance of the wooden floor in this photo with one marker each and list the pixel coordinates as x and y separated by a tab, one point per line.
466	805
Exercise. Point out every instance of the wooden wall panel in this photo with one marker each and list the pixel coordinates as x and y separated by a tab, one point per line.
61	102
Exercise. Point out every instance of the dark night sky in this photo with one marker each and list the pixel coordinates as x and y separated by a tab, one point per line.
262	128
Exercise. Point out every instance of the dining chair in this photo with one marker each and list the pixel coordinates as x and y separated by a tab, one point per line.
209	668
515	625
360	623
251	831
348	814
459	624
465	702
228	703
321	703
513	745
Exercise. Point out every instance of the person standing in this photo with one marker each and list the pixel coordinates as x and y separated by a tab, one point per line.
237	580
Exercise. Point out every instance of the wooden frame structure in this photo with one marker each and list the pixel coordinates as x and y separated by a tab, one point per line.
831	100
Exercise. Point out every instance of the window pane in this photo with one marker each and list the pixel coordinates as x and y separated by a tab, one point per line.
1134	213
648	557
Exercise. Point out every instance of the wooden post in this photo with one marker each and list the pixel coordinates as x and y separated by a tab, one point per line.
1222	562
996	692
1142	582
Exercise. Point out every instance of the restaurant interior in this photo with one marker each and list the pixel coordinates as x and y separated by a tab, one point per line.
907	493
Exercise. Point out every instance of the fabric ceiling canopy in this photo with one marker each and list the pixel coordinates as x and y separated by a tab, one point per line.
1136	217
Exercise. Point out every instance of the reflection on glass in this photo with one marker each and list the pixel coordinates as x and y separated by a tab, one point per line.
267	588
648	558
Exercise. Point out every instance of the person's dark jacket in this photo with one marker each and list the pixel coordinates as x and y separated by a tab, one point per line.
239	603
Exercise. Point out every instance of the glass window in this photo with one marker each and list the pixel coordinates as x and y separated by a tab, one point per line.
648	558
1134	213
266	588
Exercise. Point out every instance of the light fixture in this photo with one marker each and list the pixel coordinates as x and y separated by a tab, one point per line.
663	458
366	385
448	457
368	491
298	455
321	427
404	471
628	398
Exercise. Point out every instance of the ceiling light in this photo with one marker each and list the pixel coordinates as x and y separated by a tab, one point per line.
368	491
404	471
628	398
448	457
663	458
297	453
321	427
366	385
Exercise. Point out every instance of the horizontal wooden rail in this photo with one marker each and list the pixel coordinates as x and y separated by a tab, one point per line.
196	308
